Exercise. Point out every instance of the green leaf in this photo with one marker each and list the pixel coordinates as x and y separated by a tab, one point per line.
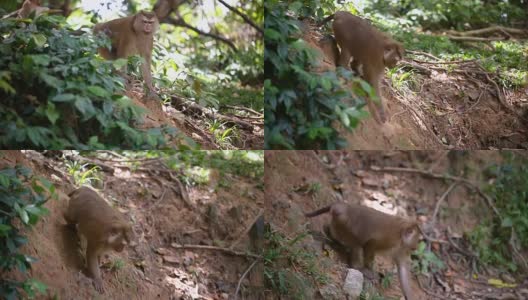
23	215
50	80
326	83
40	59
4	229
39	39
35	136
52	113
295	6
98	91
507	222
85	106
4	180
63	98
119	63
39	286
271	34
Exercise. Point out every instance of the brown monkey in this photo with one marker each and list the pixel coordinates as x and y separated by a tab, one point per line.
163	8
366	232
30	6
130	36
105	228
368	47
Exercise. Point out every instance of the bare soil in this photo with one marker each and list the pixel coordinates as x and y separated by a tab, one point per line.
216	215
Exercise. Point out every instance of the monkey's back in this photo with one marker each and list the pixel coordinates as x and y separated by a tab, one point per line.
91	212
353	30
360	225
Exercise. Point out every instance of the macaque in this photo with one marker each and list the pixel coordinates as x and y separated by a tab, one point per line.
163	8
130	36
369	48
30	6
366	232
103	227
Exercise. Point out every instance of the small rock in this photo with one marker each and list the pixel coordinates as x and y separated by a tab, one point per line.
360	173
171	259
370	181
353	284
224	296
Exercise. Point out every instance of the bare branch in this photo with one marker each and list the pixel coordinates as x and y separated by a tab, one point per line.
242	16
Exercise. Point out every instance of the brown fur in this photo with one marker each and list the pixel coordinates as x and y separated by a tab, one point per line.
163	8
30	6
130	36
367	46
104	228
366	232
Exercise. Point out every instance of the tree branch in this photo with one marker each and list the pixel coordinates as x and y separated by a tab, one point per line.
242	16
182	23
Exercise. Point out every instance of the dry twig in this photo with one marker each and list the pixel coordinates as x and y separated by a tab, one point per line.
441	199
466	181
243	276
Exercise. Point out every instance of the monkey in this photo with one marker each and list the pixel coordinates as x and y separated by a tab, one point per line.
370	48
28	7
130	36
366	232
103	227
163	8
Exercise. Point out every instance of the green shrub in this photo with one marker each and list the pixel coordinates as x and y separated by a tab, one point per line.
21	201
302	108
458	14
56	93
509	188
290	269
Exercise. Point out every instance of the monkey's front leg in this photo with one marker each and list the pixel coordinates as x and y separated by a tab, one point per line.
147	77
92	261
404	274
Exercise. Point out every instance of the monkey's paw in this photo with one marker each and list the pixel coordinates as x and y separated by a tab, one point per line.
98	285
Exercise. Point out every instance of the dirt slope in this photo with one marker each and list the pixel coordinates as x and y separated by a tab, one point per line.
214	215
441	111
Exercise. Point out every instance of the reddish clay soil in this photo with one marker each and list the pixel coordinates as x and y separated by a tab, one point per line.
439	111
214	215
347	176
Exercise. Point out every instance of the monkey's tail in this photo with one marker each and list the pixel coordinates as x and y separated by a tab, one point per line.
325	20
318	212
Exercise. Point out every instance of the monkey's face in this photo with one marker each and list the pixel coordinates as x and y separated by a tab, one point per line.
392	54
148	22
119	238
411	236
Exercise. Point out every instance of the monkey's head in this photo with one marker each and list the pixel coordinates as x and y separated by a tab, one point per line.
393	53
146	22
119	236
410	236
